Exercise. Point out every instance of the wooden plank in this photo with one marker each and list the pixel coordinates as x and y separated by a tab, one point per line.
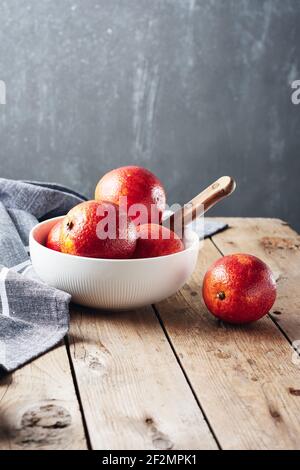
39	408
133	392
244	377
278	245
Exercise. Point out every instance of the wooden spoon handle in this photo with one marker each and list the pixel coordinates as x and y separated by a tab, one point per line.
217	191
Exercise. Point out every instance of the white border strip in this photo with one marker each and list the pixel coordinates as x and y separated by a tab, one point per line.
3	294
20	266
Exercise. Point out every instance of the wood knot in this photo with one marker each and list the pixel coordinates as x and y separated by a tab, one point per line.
46	416
279	243
294	391
275	414
159	439
96	366
149	421
43	425
251	362
98	362
222	354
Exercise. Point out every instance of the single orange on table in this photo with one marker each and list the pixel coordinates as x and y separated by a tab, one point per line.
239	288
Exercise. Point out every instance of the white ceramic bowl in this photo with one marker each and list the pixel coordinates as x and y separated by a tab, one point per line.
108	283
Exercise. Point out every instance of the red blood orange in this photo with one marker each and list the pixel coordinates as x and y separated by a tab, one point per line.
53	239
155	240
239	288
139	186
95	229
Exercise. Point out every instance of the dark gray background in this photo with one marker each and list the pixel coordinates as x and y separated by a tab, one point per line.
192	89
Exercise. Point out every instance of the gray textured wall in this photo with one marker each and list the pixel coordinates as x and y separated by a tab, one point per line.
192	89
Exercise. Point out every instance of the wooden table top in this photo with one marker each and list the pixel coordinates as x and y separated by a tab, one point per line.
170	376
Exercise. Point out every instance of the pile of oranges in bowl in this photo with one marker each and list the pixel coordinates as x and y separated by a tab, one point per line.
123	221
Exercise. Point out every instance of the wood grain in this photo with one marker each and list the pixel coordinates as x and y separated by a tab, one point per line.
133	391
39	408
132	387
278	245
244	377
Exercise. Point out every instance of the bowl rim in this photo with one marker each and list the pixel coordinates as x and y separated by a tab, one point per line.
193	234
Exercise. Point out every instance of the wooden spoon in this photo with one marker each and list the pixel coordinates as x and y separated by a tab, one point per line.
214	193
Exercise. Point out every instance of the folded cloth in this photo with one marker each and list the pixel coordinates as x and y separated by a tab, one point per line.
209	228
33	316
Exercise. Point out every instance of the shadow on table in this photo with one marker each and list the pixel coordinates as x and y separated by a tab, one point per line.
88	322
178	321
5	428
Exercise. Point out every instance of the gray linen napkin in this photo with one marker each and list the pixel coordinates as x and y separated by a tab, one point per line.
33	316
210	228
